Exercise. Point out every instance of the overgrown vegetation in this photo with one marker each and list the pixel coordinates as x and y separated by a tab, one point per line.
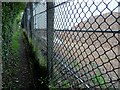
40	71
10	18
42	60
63	85
10	33
15	43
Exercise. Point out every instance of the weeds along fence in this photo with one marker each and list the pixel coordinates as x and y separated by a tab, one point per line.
81	39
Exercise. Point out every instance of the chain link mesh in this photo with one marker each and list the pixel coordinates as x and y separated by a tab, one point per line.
86	45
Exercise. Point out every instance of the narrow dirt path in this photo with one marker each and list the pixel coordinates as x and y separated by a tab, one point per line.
25	73
25	78
30	73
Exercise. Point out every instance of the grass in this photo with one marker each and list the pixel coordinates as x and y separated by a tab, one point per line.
36	51
42	60
40	70
11	70
64	84
15	44
98	80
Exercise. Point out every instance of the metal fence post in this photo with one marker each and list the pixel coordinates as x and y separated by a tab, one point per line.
50	30
119	56
119	45
31	19
25	18
0	45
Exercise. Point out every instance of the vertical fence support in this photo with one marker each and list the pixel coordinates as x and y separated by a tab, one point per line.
119	46
119	58
0	45
50	30
25	19
31	19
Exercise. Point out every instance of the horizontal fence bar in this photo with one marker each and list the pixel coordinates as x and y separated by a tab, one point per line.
53	7
87	64
97	31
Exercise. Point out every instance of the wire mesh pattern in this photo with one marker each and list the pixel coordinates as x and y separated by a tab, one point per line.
40	26
86	45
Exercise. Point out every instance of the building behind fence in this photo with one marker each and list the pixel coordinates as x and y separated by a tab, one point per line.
81	39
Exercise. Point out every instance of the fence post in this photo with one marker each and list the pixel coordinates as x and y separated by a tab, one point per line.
119	46
31	19
119	56
1	46
25	18
50	30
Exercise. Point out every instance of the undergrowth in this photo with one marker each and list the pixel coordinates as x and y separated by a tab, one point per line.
11	71
11	12
98	80
15	44
40	71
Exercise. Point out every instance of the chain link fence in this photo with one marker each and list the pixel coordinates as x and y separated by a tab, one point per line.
81	39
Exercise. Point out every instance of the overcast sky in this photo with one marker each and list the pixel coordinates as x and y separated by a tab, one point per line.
75	11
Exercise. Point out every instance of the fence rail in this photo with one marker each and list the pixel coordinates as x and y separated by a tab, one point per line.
81	39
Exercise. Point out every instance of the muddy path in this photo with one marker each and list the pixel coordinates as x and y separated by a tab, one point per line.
30	75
